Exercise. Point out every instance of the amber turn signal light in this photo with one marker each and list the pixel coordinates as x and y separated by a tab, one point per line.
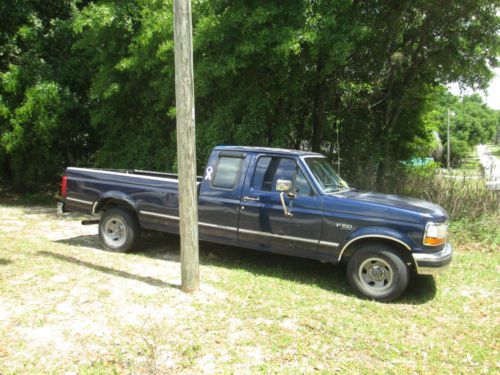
432	241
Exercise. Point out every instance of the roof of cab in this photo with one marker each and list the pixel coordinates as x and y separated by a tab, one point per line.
265	150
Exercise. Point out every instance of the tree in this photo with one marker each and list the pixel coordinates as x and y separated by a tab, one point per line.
283	74
424	44
473	122
43	115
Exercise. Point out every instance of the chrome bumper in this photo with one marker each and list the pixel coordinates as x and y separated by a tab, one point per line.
429	264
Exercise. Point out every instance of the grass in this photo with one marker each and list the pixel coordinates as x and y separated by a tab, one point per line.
69	306
483	233
471	162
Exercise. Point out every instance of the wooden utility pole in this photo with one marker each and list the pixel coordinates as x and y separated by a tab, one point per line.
186	145
448	141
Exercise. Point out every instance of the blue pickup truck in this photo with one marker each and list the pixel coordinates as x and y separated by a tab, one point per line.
282	201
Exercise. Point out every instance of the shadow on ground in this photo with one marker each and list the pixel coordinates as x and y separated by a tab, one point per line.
90	241
4	262
110	271
326	276
36	204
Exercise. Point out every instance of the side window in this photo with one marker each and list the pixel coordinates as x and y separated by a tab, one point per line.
227	172
302	186
270	169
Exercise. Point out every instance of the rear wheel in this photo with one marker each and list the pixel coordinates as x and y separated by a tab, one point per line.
378	272
119	229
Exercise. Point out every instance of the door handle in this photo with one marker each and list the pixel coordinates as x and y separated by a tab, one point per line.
251	199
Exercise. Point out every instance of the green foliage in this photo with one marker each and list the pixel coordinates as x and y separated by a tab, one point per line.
132	85
43	88
92	83
471	122
30	141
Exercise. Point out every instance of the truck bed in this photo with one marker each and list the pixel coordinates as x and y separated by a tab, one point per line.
154	193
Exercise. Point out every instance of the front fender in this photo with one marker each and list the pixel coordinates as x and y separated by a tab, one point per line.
114	196
376	232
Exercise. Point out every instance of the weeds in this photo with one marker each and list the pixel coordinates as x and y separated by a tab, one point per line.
462	193
152	337
482	234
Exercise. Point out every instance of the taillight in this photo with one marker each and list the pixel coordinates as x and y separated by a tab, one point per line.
64	186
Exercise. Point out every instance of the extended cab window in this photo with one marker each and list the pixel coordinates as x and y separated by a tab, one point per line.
271	169
227	172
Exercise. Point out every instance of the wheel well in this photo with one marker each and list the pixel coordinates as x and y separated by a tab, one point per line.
401	250
108	203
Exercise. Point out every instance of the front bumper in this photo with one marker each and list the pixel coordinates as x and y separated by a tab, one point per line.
429	264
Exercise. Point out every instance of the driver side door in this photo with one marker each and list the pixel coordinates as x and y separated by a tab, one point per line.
263	224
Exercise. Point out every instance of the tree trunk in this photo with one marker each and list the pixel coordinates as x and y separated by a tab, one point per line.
384	163
269	131
319	106
300	127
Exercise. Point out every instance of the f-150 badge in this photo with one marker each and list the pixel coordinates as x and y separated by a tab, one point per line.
343	226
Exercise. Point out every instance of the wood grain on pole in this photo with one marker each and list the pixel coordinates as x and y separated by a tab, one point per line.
186	145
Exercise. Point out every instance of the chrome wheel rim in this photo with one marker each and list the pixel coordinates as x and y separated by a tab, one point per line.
376	275
115	232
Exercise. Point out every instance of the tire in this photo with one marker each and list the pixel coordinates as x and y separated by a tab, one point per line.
378	272
119	229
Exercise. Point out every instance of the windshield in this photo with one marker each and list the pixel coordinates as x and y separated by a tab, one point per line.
326	176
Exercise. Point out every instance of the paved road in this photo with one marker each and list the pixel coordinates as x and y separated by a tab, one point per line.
491	166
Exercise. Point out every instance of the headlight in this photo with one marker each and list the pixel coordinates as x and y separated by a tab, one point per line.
435	234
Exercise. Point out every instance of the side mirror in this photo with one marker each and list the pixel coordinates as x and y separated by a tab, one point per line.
283	185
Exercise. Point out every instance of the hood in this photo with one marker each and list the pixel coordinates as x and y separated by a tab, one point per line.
413	205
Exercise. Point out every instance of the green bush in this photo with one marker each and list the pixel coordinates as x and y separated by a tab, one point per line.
33	143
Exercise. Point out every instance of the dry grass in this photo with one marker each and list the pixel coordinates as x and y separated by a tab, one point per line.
67	306
463	193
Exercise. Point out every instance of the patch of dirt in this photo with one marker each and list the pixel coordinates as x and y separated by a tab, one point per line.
78	298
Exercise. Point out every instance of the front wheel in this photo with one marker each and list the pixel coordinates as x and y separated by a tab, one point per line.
119	229
378	272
